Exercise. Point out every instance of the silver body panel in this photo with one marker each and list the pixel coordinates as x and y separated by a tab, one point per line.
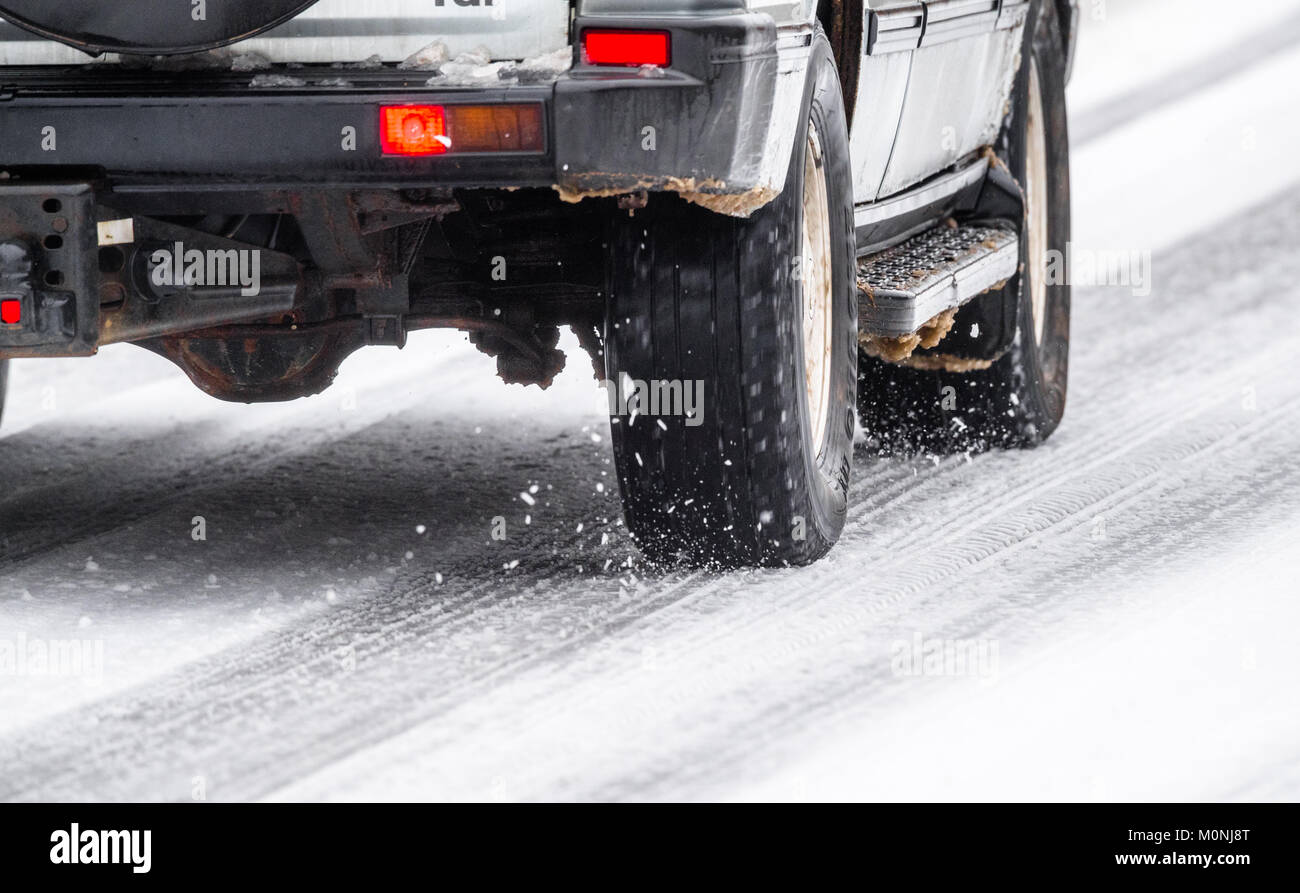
933	86
956	98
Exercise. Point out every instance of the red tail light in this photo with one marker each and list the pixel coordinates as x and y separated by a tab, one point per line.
414	130
11	312
604	47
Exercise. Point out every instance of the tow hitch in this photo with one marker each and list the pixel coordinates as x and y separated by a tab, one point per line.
48	303
76	275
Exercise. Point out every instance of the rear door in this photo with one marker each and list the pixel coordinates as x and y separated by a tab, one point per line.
891	32
959	81
935	80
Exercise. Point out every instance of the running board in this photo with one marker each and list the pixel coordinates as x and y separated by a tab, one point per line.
904	287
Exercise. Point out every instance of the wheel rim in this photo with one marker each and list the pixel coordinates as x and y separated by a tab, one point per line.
815	267
1036	202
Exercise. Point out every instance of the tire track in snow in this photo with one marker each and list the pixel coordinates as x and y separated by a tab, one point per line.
1064	513
269	673
791	646
59	498
408	630
486	662
722	765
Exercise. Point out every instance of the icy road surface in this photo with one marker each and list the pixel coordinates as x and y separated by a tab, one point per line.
350	630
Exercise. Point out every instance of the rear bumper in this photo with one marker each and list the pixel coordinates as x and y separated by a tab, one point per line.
203	134
705	123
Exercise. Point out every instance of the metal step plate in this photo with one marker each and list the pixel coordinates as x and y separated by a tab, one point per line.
904	287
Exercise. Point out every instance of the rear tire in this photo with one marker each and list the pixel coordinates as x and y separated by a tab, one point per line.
761	476
1019	400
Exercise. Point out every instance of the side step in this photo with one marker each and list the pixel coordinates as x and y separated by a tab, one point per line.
904	287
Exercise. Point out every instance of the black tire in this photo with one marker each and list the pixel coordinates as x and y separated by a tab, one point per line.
699	296
1019	400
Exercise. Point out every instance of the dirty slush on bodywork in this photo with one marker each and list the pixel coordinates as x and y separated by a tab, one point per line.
764	221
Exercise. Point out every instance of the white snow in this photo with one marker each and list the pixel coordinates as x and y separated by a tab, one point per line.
1236	139
556	62
427	58
1126	45
250	62
278	80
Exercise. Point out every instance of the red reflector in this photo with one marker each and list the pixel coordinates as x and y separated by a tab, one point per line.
11	312
413	130
626	47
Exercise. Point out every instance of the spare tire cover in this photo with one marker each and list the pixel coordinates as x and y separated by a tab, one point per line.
155	27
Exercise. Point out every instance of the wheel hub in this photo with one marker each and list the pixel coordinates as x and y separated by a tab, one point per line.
1037	203
817	278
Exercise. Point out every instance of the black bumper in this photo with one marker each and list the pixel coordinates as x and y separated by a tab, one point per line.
708	114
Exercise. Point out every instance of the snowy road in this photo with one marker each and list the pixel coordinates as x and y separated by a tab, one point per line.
350	630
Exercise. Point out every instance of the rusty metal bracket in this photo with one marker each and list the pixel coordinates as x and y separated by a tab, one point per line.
47	266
